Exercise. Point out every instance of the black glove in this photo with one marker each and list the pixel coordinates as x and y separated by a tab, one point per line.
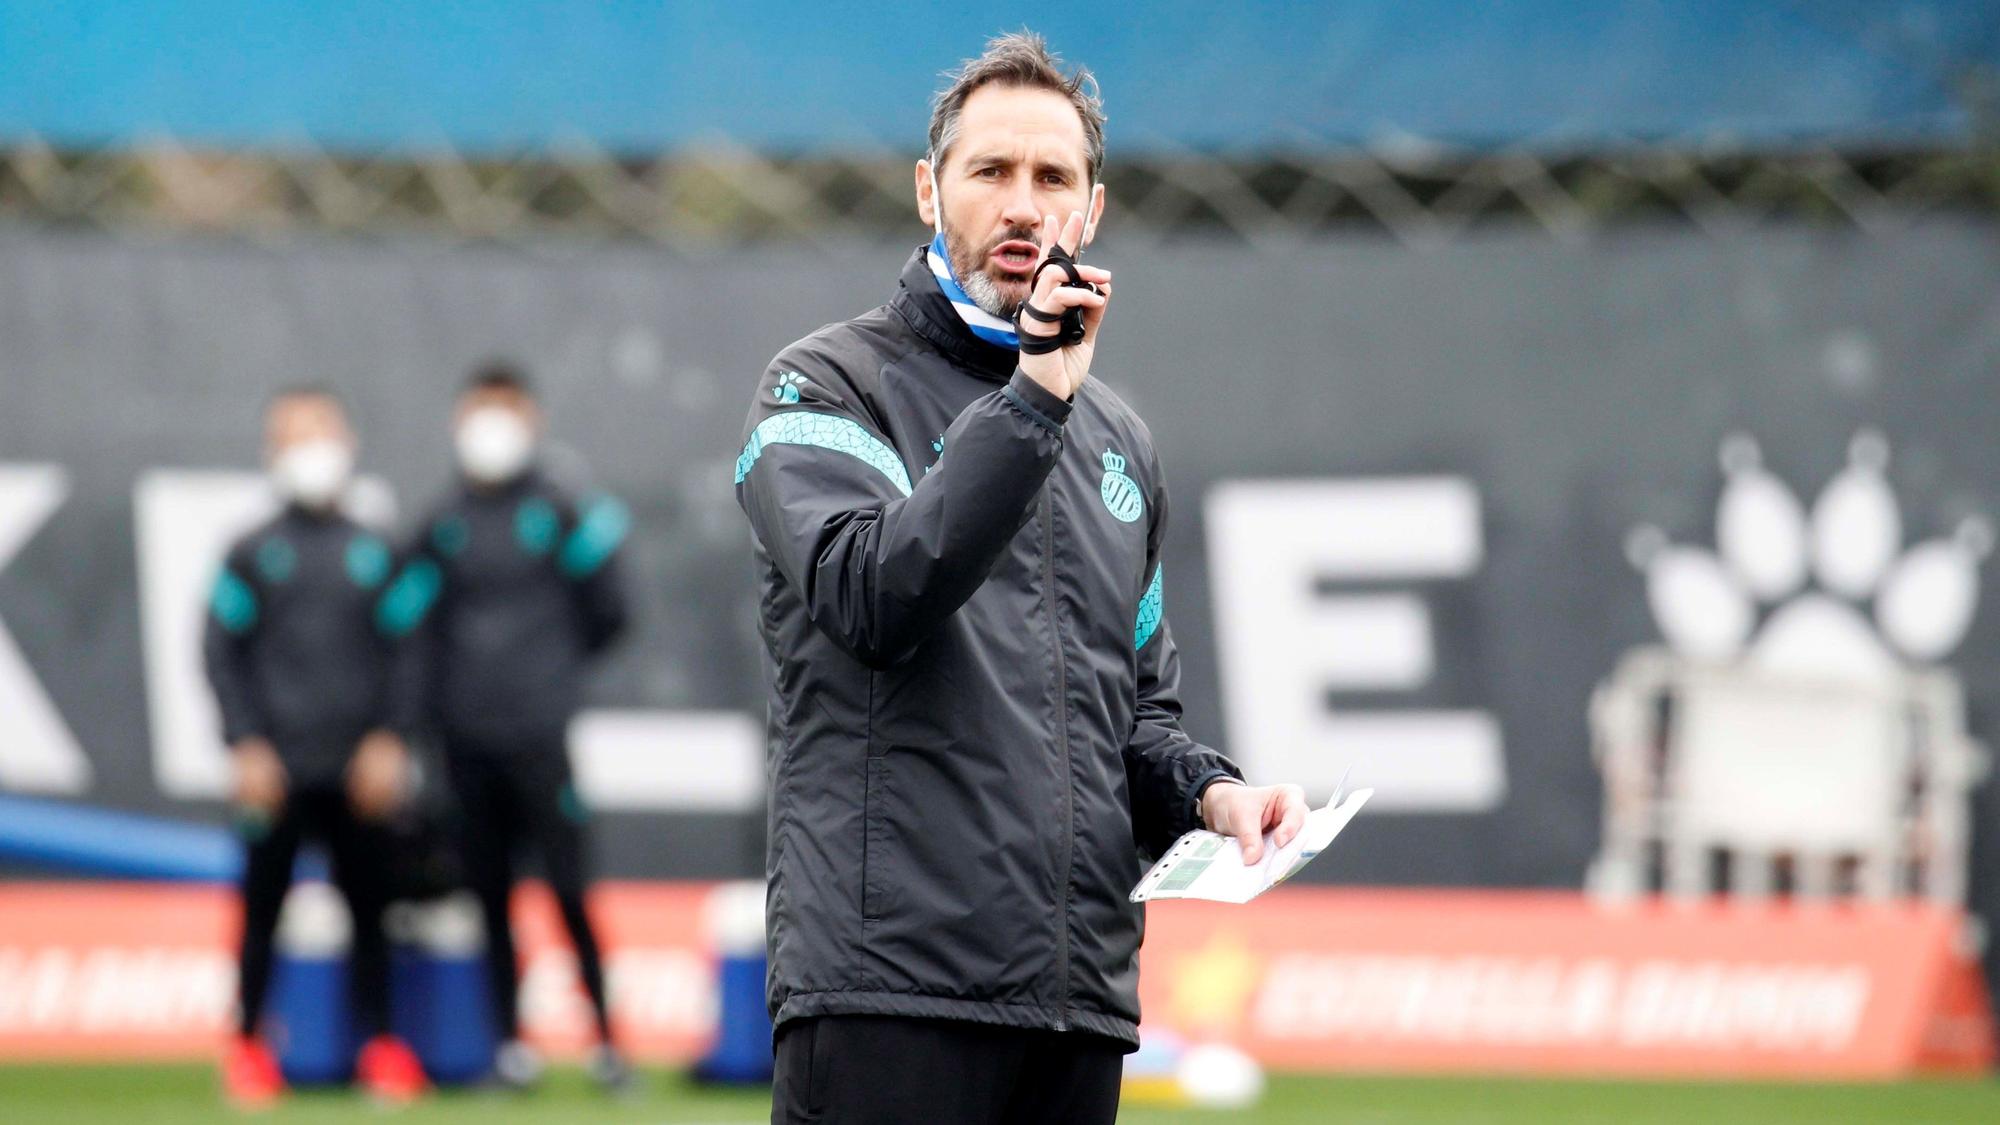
1071	319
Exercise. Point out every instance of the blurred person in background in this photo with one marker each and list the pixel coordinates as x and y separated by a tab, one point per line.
975	698
301	667
512	589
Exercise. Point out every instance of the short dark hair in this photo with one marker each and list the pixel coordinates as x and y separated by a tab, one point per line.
498	375
1020	58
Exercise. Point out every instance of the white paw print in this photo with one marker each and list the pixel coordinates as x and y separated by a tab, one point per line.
1850	546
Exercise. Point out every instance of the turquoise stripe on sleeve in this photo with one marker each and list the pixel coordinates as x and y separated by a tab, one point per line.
233	602
603	527
1151	610
825	431
409	598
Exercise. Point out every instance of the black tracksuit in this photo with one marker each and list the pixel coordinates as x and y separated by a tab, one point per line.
975	706
509	593
298	653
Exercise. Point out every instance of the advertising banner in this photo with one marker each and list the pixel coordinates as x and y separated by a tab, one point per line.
1304	978
1528	982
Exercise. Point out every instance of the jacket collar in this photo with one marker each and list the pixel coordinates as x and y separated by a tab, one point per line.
513	488
928	312
299	515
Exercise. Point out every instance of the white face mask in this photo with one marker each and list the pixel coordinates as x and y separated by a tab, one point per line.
494	445
313	473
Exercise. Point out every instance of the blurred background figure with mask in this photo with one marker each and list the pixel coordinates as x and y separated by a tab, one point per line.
298	654
511	590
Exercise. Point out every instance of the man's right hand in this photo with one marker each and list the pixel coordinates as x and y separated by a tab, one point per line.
260	776
1062	372
377	774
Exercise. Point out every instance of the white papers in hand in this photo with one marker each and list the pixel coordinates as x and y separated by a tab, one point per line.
1203	864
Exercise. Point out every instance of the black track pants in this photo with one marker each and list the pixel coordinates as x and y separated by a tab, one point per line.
359	852
515	800
886	1070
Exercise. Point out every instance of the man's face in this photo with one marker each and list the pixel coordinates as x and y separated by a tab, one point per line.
1020	155
295	420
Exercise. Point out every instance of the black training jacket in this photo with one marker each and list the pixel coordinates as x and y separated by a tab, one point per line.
508	594
975	721
295	643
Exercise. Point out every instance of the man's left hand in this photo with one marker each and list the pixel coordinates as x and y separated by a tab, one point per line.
376	775
1248	811
1062	372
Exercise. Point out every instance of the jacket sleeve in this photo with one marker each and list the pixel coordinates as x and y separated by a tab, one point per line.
878	559
1165	770
406	615
589	559
235	612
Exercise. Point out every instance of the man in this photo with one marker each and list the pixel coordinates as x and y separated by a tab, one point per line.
512	589
301	669
974	710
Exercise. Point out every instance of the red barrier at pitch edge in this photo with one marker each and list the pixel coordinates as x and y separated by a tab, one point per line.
1529	982
1304	979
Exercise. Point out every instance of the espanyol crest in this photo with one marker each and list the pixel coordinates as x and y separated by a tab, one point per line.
1120	492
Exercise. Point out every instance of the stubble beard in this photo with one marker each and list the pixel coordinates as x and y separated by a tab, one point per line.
974	277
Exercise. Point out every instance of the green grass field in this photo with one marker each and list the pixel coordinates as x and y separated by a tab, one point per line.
173	1095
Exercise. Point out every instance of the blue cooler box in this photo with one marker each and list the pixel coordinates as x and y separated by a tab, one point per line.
437	975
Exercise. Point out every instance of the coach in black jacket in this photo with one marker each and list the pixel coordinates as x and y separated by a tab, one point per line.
300	659
513	588
974	708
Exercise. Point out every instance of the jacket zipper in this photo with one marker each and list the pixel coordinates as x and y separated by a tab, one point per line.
1062	739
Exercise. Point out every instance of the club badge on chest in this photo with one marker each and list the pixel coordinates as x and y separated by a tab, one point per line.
1120	493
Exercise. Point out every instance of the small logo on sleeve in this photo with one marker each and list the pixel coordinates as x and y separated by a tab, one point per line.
536	526
276	560
1120	492
367	561
787	390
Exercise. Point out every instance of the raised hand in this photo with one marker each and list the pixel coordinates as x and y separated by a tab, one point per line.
1062	372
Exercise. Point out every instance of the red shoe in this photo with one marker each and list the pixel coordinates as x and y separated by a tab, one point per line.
250	1077
389	1070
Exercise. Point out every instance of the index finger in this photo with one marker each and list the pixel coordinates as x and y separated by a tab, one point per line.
1251	840
1248	828
1292	818
1047	236
1072	233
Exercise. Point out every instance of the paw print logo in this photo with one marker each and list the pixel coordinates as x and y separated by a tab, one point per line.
937	451
1832	591
787	390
